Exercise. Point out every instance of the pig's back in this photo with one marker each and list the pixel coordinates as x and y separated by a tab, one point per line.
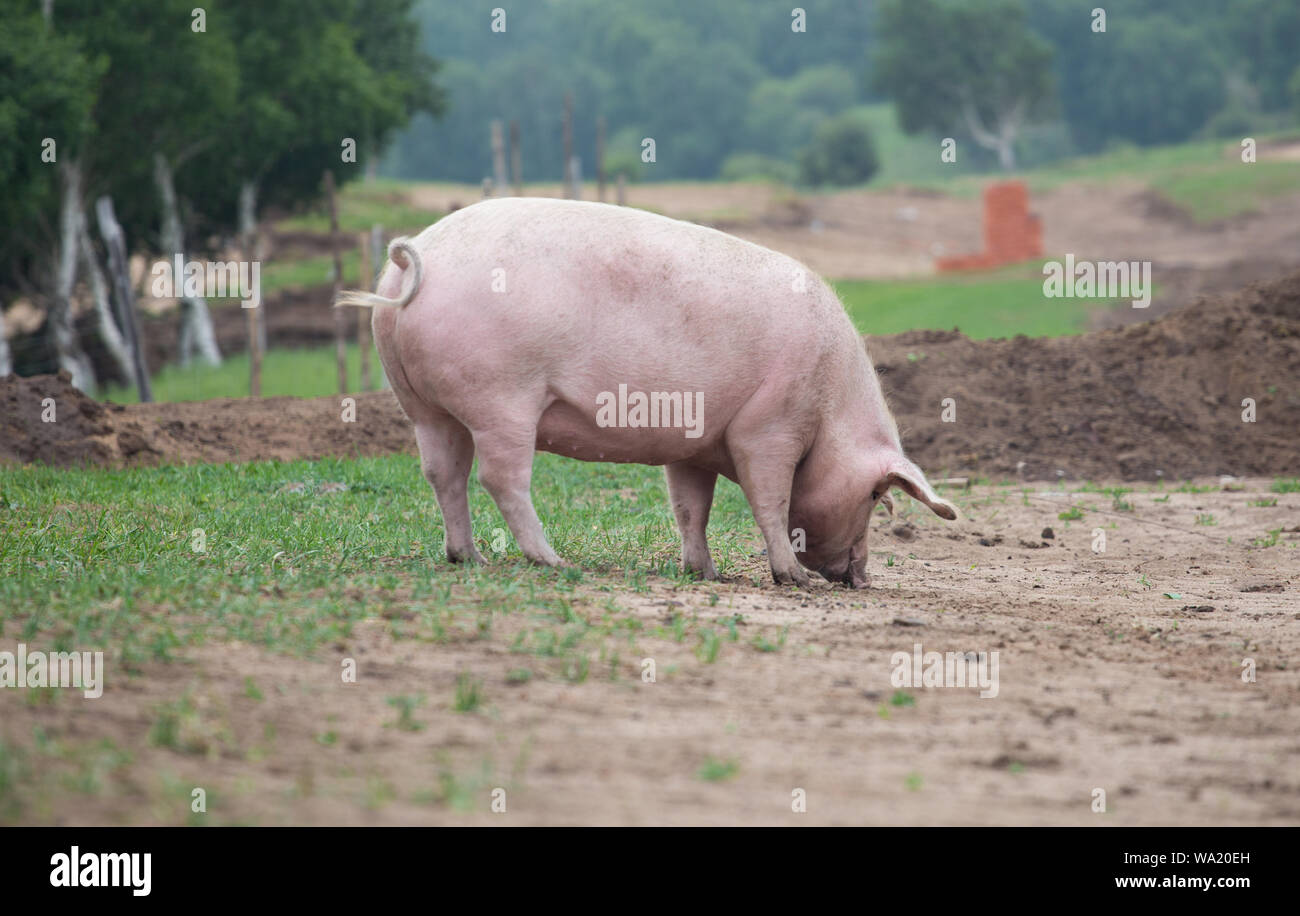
592	294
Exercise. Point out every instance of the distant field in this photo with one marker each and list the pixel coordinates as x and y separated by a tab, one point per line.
998	304
1206	178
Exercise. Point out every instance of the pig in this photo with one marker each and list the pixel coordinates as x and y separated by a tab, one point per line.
520	324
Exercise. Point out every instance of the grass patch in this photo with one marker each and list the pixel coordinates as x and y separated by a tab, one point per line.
714	770
1000	303
301	372
295	568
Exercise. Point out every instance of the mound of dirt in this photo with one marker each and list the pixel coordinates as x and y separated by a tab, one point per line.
1162	398
85	432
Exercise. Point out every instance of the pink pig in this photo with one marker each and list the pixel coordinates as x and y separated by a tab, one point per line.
608	333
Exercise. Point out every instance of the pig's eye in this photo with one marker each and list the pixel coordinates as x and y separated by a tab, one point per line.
875	494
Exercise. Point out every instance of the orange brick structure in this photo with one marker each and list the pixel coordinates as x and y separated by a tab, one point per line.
1011	232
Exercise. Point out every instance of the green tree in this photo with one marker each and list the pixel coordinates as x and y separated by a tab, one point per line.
841	153
959	66
47	90
784	113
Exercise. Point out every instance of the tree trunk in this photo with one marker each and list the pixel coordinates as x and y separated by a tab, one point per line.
196	322
1007	153
109	333
119	271
67	348
1004	141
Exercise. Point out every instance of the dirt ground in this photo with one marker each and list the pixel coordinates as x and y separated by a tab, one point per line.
1119	670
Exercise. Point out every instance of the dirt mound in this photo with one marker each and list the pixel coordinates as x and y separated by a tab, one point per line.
1157	399
85	431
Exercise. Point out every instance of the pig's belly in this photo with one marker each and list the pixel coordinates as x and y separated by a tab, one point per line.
573	432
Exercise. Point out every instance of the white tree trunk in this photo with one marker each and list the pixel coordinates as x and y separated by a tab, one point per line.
67	349
1004	140
115	244
196	322
109	333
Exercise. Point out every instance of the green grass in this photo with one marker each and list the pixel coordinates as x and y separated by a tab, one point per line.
715	770
1219	192
304	373
295	569
999	303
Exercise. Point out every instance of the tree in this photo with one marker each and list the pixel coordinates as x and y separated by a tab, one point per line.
46	93
784	113
842	153
956	66
1156	75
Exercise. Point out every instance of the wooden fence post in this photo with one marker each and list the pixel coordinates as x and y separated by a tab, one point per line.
516	161
568	144
377	259
340	320
498	155
600	159
363	314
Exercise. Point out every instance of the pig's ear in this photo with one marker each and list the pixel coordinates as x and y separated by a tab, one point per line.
908	478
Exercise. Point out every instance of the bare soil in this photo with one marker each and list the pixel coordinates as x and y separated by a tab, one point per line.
1120	670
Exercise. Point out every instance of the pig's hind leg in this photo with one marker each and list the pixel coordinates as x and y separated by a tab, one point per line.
690	489
446	454
505	468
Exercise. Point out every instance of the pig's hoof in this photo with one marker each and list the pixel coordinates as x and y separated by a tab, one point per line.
469	557
791	577
709	573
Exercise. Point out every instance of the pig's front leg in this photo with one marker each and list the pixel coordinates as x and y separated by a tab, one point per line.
505	468
690	489
765	471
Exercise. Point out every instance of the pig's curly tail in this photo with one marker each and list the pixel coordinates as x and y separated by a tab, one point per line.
402	253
